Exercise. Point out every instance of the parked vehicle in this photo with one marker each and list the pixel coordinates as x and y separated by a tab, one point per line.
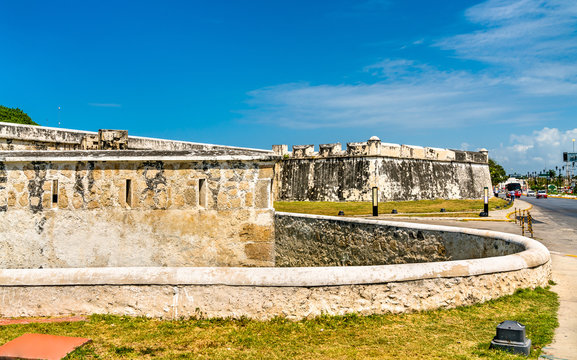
531	193
514	187
542	194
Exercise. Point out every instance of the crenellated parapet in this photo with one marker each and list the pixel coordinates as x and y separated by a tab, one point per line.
374	147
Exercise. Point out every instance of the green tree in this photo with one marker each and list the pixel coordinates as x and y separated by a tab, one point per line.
15	116
497	172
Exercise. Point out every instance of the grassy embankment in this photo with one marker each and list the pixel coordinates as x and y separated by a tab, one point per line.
462	333
456	208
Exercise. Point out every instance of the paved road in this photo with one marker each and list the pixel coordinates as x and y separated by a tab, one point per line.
557	223
564	209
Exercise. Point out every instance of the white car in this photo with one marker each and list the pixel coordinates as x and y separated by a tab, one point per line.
542	194
531	193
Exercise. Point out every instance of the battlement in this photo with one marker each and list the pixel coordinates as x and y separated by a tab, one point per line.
17	137
374	147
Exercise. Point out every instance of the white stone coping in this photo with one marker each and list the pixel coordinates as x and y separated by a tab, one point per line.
37	133
143	138
122	156
534	255
7	125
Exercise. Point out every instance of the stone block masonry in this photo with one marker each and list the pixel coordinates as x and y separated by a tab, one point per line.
151	213
401	172
323	241
515	262
134	208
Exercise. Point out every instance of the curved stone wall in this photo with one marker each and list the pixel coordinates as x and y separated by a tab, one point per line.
294	292
312	240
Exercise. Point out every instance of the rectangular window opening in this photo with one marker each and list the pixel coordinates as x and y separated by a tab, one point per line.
3	198
54	191
128	192
202	192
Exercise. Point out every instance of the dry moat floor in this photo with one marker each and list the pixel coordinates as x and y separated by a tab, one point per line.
462	333
351	208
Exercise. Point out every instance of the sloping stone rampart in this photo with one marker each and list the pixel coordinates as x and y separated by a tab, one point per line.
293	292
302	240
351	179
401	172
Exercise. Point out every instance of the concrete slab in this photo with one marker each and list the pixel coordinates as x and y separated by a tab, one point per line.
565	342
40	346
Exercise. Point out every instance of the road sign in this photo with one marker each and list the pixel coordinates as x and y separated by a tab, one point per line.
569	157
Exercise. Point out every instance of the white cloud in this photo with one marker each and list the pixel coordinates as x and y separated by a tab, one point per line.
533	40
533	152
528	46
406	94
521	149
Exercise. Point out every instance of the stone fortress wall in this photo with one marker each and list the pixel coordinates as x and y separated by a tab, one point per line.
401	172
204	206
109	223
308	240
513	262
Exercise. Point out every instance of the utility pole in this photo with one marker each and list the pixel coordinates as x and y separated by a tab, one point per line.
572	165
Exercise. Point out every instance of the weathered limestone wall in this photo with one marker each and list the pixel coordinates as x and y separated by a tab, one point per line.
266	302
351	179
293	292
401	172
309	240
127	212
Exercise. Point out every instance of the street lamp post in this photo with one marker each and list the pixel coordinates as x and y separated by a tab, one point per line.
375	201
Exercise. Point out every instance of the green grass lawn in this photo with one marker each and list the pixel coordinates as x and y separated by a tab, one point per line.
407	207
474	214
462	333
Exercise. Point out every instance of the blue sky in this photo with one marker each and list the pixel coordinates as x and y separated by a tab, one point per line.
458	74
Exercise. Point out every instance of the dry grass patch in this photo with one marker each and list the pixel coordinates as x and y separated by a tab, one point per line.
407	207
462	333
